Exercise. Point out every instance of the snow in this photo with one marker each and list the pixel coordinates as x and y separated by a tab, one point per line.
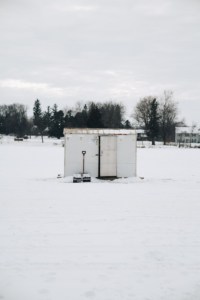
127	239
99	131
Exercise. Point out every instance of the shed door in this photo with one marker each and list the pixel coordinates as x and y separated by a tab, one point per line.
108	158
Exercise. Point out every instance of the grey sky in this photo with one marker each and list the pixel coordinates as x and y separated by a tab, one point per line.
66	51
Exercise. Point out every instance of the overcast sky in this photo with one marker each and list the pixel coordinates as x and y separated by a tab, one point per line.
66	51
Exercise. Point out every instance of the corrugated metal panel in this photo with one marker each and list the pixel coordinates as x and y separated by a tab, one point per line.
74	145
108	159
126	156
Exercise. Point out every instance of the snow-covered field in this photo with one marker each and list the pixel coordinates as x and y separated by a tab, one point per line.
131	239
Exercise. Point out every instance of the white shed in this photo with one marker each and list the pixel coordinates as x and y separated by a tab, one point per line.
102	153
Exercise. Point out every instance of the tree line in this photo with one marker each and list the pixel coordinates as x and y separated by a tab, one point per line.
157	116
52	121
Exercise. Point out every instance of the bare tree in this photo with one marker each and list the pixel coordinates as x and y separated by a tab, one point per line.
142	112
168	113
147	116
193	127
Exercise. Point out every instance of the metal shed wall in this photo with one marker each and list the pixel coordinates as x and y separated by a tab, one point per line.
74	145
108	156
126	156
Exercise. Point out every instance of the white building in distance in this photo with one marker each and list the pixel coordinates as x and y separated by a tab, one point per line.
102	153
187	135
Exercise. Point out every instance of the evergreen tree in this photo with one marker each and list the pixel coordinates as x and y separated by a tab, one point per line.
118	115
112	115
127	124
69	121
38	118
47	116
153	129
57	122
94	116
37	113
80	121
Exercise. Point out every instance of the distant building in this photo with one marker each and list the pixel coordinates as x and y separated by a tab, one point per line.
187	135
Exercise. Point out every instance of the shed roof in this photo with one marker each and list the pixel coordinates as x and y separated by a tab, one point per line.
99	131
